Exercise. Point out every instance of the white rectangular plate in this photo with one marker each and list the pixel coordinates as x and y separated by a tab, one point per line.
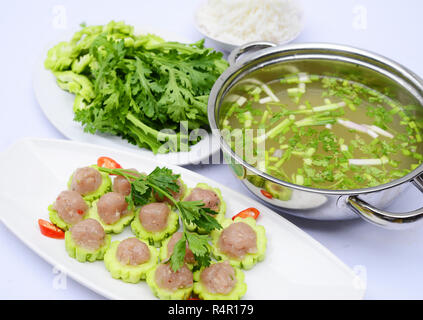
296	266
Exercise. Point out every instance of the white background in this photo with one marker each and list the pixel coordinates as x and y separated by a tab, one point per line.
392	261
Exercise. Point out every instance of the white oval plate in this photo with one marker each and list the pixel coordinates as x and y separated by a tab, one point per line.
57	105
295	267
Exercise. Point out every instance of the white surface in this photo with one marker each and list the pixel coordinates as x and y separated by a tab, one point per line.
302	267
391	261
57	105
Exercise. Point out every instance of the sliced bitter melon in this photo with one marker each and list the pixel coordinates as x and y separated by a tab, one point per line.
105	186
236	293
155	238
116	227
82	254
250	259
164	294
220	216
128	273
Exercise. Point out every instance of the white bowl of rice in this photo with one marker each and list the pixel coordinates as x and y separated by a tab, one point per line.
228	24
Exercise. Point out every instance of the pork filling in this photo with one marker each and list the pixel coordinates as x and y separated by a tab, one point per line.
219	278
70	206
88	234
153	216
111	207
237	240
132	252
171	280
208	197
86	180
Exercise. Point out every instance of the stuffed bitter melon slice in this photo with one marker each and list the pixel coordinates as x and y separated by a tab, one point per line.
167	284
154	236
104	187
56	220
59	222
89	252
116	227
248	258
219	281
128	272
68	209
213	200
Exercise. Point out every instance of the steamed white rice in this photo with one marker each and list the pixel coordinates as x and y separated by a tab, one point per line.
241	21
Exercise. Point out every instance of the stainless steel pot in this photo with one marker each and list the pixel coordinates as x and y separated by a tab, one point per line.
268	61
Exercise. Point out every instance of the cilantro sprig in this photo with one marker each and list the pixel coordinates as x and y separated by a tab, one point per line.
162	181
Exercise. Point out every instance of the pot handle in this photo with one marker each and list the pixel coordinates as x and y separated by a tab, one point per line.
251	46
384	218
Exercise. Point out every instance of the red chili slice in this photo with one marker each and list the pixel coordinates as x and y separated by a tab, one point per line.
266	194
106	162
250	212
50	230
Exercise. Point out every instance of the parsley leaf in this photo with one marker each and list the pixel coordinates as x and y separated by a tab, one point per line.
140	192
199	247
195	212
163	178
178	255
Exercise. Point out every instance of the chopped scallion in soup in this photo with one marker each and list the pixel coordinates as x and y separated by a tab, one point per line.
322	132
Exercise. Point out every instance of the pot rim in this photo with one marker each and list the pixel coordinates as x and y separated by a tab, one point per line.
329	49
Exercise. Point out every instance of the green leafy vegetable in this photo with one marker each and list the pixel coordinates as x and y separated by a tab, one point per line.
178	255
134	86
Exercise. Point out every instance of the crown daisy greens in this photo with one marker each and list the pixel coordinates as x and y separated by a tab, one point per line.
133	85
162	181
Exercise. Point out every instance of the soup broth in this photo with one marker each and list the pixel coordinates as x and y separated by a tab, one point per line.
322	131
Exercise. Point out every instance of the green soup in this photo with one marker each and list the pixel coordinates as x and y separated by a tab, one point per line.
322	132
